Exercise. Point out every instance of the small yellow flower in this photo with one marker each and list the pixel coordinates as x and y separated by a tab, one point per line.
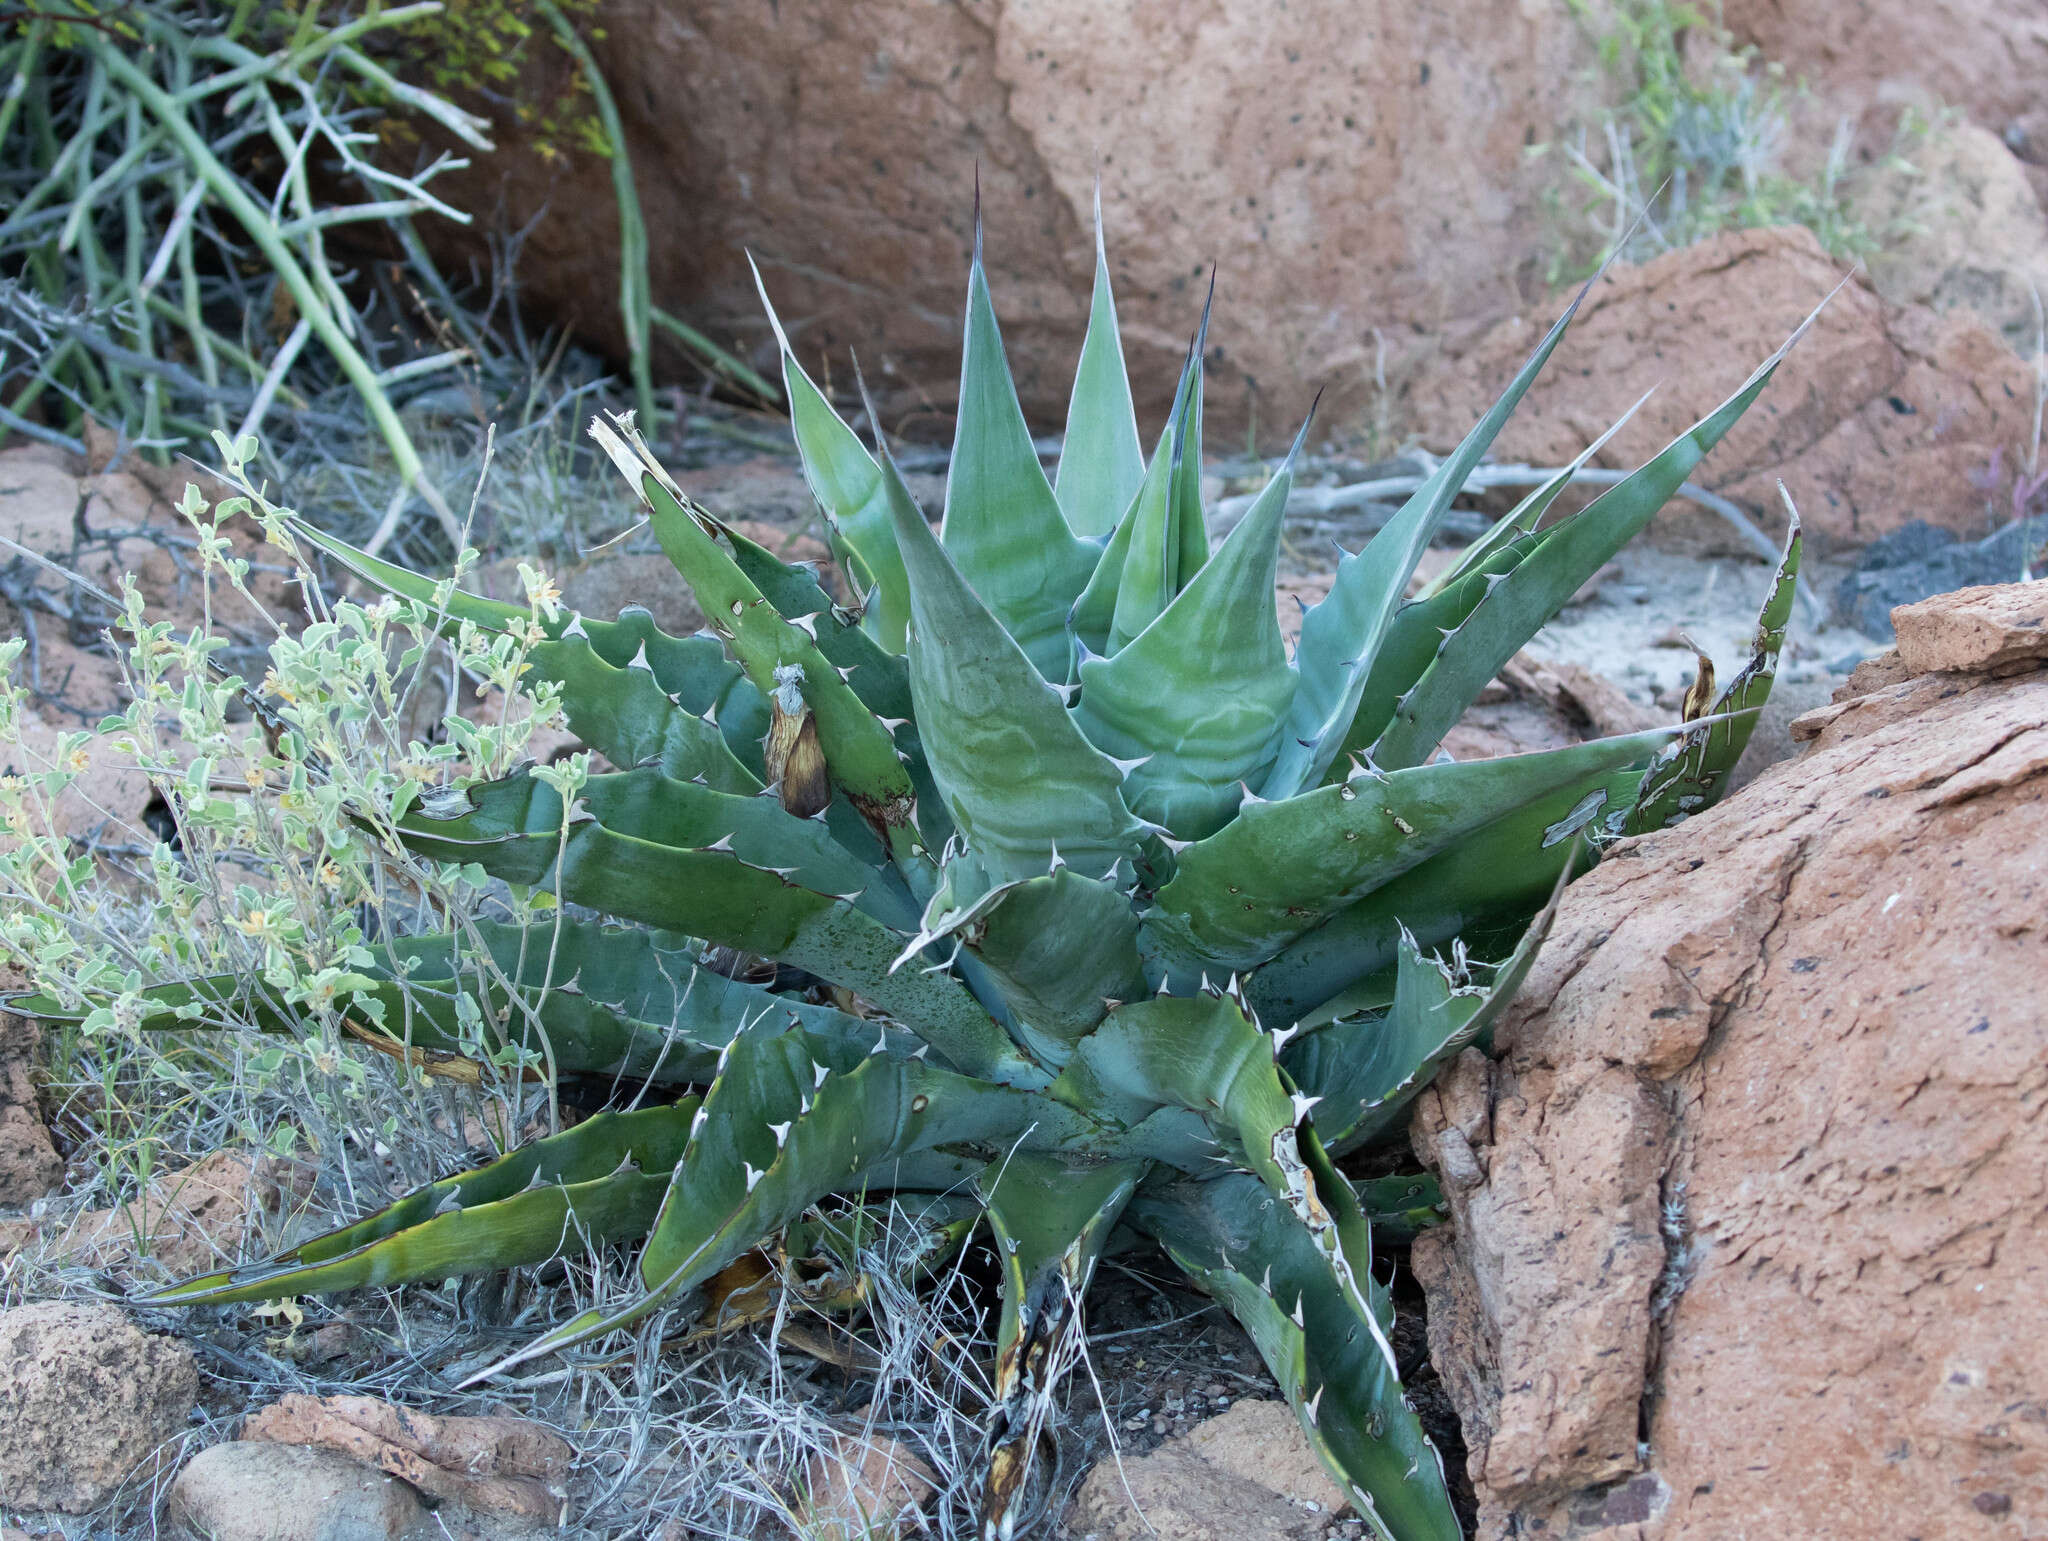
79	760
253	775
329	875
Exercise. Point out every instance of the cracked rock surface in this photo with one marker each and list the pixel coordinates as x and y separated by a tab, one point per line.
1749	1213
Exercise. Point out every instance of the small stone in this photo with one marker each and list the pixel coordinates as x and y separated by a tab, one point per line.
1262	1442
1172	1492
86	1398
256	1491
865	1488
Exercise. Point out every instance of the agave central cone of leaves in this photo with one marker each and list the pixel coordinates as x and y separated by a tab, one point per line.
1133	910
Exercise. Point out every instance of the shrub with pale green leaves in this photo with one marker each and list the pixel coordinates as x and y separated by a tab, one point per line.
1038	877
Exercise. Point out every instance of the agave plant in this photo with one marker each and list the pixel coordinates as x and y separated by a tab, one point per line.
1089	908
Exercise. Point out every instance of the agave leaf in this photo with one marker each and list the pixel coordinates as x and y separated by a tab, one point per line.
792	1121
692	671
1206	1055
1264	1265
602	1180
1094	612
859	751
1191	531
627	717
1493	881
1567	554
848	485
521	818
1018	777
1527	514
1101	462
716	895
1341	635
1410	646
1148	578
1693	772
1401	1207
1060	949
1051	1217
1281	869
880	678
1367	1069
1199	697
1003	529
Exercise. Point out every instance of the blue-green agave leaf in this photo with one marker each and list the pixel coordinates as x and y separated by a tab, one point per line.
848	485
1567	554
1101	462
1020	780
1200	696
1003	529
1692	774
1341	636
1282	869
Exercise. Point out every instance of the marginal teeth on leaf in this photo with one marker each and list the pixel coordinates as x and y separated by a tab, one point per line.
722	843
1125	767
753	1175
818	1074
1296	1316
450	1202
639	659
1281	1037
1266	1283
807	624
573	629
881	1043
1308	1408
698	1122
781	1133
1302	1103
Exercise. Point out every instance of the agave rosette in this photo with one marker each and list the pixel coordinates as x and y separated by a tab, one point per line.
1131	921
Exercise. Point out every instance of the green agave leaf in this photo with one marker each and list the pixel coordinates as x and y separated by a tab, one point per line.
1691	775
1259	1260
1051	1217
625	715
716	895
602	1180
859	751
521	818
1366	1070
848	485
1410	646
1341	636
1020	780
1149	576
1402	1207
1493	881
1094	613
1191	530
692	672
1567	554
878	677
1060	950
1101	463
789	1121
1282	869
1527	514
1200	696
1004	529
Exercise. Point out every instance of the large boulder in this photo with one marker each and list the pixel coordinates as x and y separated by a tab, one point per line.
1747	1230
1881	415
1346	169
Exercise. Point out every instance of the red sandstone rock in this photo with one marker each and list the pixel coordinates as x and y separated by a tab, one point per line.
1762	1171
